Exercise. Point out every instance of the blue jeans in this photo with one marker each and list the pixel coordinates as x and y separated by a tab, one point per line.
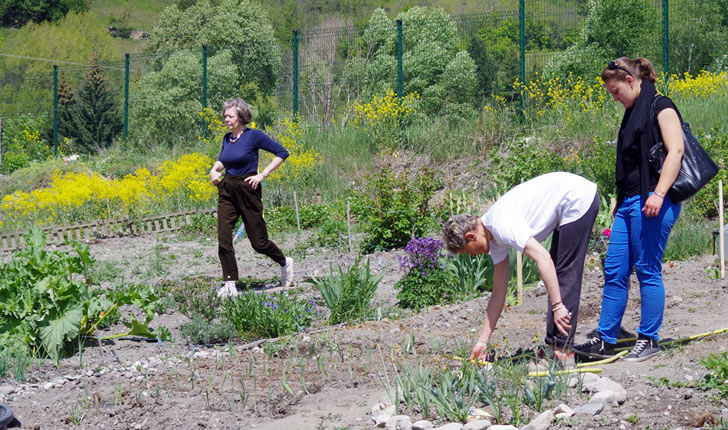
636	241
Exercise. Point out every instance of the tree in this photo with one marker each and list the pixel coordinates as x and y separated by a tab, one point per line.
612	29
74	38
94	111
16	13
430	48
698	34
66	107
240	26
166	104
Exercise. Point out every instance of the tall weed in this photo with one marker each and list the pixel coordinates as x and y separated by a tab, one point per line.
348	293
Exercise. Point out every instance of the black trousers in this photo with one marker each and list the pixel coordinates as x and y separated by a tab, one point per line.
568	251
236	198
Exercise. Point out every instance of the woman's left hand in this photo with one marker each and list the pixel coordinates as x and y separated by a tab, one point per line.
255	180
562	318
653	205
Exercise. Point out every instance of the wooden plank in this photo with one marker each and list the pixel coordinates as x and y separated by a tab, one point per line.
165	227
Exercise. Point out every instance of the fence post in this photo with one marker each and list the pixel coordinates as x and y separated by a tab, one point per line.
126	98
400	89
295	75
666	44
55	110
522	46
204	88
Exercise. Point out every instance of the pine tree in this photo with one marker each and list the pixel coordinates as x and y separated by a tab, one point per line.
96	113
66	105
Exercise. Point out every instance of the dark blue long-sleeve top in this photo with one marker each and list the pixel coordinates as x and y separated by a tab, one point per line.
241	157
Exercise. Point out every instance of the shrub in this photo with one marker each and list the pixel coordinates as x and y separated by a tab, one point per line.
396	208
260	315
348	294
426	282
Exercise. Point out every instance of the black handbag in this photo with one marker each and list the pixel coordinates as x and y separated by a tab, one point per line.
696	167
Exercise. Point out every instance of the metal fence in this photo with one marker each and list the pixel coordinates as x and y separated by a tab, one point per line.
324	71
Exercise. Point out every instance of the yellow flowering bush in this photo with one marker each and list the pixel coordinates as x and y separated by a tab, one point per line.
381	116
702	86
301	160
72	197
569	97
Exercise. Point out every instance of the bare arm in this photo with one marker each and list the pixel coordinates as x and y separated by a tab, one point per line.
216	172
257	179
501	273
536	252
673	140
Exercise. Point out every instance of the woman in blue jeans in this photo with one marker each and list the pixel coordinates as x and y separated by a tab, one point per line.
645	213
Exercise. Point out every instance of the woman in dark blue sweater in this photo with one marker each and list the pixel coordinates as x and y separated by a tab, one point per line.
239	193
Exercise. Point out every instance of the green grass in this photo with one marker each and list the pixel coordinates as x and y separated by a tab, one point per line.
136	14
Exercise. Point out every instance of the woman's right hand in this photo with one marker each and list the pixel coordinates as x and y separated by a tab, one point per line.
215	177
478	351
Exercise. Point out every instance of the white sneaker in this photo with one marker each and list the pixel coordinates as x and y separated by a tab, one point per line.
228	290
287	273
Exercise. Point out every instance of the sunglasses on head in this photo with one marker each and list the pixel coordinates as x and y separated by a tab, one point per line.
614	66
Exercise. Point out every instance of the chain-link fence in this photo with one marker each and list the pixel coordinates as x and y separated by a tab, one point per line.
323	72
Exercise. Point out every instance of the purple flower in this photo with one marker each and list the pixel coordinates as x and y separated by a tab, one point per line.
267	304
423	254
275	307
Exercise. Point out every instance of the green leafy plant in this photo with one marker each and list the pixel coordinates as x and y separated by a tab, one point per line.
426	281
716	380
396	208
202	331
260	315
348	293
48	300
473	274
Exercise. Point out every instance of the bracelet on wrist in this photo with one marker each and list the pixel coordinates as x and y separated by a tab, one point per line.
557	308
657	193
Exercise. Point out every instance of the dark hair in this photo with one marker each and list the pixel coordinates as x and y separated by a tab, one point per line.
241	108
622	67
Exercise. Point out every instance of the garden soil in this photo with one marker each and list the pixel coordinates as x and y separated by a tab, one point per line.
330	378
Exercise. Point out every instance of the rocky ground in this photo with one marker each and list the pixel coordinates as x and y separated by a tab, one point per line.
333	378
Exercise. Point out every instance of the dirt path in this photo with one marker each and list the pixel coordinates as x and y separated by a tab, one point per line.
334	377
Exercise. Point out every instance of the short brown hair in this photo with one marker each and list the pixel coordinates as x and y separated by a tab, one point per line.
241	108
454	229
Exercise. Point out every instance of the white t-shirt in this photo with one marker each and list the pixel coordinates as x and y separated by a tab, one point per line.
535	209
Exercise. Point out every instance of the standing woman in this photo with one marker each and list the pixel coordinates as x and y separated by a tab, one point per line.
645	213
239	193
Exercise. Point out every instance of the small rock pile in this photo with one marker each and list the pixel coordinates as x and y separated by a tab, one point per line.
604	393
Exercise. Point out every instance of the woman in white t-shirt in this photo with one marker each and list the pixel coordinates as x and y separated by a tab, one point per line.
560	203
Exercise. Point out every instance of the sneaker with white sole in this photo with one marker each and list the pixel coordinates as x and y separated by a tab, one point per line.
644	348
287	273
594	348
228	290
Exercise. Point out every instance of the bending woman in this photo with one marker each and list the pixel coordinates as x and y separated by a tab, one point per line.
644	215
239	193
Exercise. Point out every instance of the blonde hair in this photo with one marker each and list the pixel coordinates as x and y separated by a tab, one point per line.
454	229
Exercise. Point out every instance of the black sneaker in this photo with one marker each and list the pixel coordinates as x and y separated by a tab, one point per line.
644	348
594	348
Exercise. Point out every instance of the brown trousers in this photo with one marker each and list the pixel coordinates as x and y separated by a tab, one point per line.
236	198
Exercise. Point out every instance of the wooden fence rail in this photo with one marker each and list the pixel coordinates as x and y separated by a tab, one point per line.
105	229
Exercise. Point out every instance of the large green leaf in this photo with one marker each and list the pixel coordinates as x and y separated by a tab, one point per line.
63	326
